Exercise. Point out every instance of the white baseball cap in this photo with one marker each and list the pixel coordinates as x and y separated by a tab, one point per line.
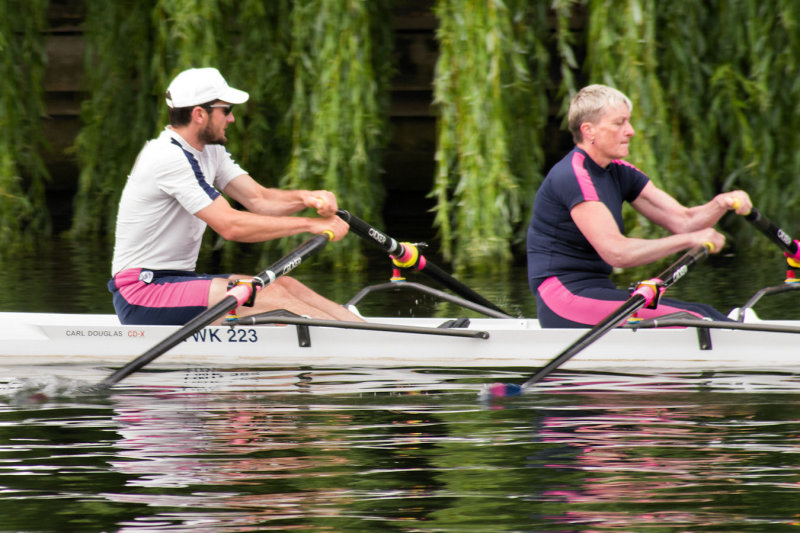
202	85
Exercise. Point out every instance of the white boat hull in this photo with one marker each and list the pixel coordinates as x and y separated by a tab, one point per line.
42	338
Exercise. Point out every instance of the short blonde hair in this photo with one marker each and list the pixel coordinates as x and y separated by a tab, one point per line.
591	103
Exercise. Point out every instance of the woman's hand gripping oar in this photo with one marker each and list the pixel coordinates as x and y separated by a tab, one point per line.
646	294
239	294
407	255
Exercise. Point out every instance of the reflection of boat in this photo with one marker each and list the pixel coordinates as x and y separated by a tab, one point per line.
281	341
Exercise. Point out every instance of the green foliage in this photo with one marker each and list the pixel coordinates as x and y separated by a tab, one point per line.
119	113
317	73
339	57
187	33
621	52
715	92
491	115
714	84
23	212
257	59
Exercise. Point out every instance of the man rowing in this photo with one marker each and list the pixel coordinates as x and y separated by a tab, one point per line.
173	193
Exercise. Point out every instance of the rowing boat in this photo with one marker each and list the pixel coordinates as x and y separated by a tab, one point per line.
281	341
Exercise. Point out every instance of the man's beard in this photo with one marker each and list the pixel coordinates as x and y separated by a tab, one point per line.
207	136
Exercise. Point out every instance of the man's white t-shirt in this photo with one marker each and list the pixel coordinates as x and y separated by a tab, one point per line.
170	181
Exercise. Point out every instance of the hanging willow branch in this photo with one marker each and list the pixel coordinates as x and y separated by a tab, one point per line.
339	57
188	33
256	56
621	52
23	212
120	112
489	121
565	51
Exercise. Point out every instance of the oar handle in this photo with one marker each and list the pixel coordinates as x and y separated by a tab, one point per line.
774	233
370	234
680	268
293	260
409	254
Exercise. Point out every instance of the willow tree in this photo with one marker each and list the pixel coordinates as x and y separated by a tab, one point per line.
22	171
256	57
731	73
491	114
341	65
622	51
126	86
119	112
714	88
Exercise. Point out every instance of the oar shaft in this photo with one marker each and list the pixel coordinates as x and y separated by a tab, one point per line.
774	233
193	326
680	268
640	298
633	304
437	274
399	250
293	259
236	296
370	234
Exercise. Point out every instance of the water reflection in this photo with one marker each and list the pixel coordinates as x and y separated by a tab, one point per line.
251	460
233	449
305	451
695	463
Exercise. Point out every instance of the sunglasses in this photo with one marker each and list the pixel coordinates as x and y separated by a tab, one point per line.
227	109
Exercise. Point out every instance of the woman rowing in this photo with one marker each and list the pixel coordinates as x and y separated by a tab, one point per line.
577	235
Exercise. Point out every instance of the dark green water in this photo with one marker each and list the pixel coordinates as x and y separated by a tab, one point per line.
407	449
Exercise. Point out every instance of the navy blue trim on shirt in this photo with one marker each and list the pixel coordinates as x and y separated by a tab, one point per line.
198	174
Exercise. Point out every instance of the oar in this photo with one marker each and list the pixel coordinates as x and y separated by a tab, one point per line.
646	292
236	296
406	255
775	234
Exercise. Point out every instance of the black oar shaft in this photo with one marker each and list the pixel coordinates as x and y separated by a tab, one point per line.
398	250
370	234
633	304
638	300
292	260
235	297
773	232
193	326
436	273
680	268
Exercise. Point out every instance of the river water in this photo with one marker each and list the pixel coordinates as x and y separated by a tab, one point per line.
404	449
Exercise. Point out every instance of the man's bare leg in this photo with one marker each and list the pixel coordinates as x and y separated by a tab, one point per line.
285	293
